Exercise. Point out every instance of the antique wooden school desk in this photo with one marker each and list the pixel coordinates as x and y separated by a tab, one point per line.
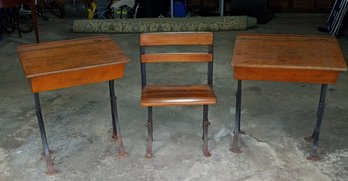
286	58
62	64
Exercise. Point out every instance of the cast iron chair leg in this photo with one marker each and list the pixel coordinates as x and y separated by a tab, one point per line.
149	126
235	143
46	151
206	124
314	155
116	130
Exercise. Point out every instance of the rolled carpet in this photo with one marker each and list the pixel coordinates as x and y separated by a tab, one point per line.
225	23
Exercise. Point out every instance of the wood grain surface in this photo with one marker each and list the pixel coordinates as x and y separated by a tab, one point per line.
176	57
172	95
67	63
69	55
298	58
172	39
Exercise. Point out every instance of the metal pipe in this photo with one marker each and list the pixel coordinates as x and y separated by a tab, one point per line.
315	136
235	145
149	126
114	115
206	124
143	68
115	122
46	151
210	67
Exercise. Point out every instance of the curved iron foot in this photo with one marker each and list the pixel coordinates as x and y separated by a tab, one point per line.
314	158
235	145
50	169
121	151
206	151
149	150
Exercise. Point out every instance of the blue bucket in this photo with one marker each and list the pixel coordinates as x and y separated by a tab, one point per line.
179	8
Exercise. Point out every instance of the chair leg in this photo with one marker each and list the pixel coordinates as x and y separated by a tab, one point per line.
116	130
206	124
149	126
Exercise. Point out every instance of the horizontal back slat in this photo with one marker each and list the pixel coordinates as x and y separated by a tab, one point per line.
176	57
186	38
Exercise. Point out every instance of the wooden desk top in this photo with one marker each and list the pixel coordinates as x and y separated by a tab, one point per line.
69	55
68	63
288	51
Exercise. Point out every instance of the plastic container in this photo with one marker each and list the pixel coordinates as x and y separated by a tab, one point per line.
179	8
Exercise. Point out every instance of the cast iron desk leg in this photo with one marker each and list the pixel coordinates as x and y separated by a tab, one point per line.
315	136
235	145
46	151
116	131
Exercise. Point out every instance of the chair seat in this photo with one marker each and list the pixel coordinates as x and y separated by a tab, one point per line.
170	95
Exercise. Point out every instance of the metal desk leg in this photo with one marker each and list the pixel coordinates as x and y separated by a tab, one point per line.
46	151
116	134
314	156
235	145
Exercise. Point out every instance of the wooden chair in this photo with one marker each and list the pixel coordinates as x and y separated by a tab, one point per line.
177	95
31	4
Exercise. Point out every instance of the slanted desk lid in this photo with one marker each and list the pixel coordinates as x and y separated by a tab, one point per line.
288	51
66	55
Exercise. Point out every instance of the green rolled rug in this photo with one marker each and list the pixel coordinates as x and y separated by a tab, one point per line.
225	23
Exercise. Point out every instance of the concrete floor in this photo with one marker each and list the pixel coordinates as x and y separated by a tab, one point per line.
275	116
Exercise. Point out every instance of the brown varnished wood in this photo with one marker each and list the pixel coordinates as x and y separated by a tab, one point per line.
290	58
64	43
69	55
176	57
76	78
172	95
172	39
11	3
67	63
286	75
177	95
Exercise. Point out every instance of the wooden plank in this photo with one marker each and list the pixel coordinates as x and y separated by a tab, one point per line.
286	75
76	77
70	55
170	95
176	57
11	3
63	43
172	39
288	52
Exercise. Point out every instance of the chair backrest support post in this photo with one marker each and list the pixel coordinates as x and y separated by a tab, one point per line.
210	66
143	68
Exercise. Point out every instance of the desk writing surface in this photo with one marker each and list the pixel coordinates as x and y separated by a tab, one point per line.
288	51
67	55
62	64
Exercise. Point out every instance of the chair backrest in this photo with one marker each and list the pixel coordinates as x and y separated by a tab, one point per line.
177	39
